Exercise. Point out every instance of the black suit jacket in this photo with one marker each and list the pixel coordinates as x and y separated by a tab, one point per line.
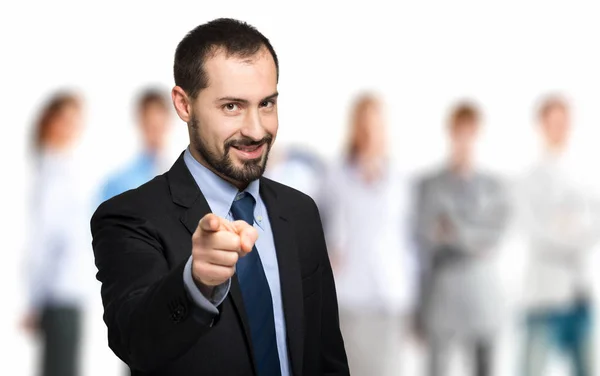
142	240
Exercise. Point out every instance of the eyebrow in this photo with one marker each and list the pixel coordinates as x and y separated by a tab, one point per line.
245	101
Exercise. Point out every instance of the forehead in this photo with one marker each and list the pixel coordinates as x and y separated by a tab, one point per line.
251	77
464	126
70	109
556	111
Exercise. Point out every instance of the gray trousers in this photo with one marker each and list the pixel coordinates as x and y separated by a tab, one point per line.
373	342
61	331
480	351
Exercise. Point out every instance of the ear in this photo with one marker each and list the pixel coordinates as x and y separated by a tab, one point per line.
182	103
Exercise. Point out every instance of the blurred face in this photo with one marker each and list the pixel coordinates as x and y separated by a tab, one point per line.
463	136
154	124
370	133
66	127
555	127
233	122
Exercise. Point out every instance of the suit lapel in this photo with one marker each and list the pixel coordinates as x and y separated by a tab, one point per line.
185	192
289	274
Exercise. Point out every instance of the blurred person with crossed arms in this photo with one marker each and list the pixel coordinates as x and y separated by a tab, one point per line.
561	222
461	214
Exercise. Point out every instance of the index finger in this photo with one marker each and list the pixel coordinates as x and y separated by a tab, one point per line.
213	223
248	235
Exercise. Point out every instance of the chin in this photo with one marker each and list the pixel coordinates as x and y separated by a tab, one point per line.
242	162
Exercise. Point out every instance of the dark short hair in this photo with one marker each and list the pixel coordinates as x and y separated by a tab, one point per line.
551	102
151	96
235	37
464	113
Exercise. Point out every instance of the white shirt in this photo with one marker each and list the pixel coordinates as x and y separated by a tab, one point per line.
367	234
59	260
561	222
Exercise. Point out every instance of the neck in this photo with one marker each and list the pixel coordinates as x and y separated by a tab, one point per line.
370	167
153	149
55	147
461	167
555	150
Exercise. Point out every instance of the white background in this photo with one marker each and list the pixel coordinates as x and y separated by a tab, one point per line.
420	56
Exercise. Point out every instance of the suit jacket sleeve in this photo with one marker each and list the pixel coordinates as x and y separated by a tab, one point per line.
333	353
422	234
151	320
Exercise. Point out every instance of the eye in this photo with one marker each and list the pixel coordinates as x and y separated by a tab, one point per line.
231	107
267	104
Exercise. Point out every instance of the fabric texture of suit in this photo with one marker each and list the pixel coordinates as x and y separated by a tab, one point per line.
142	240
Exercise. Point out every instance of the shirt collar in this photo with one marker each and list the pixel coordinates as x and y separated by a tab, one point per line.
218	192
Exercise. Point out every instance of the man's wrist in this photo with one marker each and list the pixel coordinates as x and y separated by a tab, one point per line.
207	291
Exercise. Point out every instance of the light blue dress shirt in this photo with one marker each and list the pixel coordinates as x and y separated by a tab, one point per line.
220	196
143	169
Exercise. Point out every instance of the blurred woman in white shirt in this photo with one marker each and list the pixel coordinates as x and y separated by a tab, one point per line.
57	241
364	204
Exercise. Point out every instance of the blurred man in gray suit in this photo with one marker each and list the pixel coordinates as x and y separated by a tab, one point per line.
460	217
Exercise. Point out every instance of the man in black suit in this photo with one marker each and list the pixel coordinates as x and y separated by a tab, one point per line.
212	269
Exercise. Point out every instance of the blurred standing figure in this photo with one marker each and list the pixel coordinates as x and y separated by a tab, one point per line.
562	223
58	241
365	203
461	214
154	119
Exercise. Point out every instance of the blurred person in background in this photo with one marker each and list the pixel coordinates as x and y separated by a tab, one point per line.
298	167
460	217
153	113
562	223
58	242
154	121
365	204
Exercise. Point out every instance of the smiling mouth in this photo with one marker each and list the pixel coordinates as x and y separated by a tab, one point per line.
247	148
249	151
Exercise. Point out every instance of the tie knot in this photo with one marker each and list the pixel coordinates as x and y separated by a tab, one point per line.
243	208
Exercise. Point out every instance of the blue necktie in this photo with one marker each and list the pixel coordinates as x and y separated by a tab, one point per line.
257	297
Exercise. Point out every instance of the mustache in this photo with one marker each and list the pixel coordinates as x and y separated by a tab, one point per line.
246	141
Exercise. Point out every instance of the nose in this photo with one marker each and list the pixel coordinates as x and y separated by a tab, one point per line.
252	127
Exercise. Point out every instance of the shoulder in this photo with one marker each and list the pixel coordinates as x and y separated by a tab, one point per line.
147	200
428	178
291	199
286	193
127	174
492	179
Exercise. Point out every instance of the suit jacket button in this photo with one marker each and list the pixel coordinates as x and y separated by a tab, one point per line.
178	313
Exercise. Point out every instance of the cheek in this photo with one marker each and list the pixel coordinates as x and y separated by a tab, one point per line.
555	131
215	129
270	123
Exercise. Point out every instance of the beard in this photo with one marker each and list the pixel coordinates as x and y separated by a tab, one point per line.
250	170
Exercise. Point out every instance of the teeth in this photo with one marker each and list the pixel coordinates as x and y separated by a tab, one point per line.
248	148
